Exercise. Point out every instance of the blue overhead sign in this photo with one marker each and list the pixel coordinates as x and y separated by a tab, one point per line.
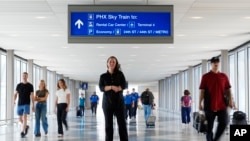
120	24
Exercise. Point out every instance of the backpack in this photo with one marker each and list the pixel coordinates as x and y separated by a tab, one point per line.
186	101
145	98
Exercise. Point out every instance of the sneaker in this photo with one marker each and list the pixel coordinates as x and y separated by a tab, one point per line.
60	135
38	135
22	134
27	129
46	133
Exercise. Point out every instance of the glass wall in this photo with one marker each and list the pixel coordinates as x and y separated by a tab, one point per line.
232	71
3	86
239	68
241	80
37	76
197	74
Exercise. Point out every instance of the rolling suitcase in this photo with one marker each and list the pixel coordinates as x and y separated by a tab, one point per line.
78	112
151	121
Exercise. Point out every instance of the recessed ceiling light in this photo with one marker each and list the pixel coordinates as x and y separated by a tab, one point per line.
248	17
100	47
133	55
102	55
14	35
196	17
135	47
55	35
40	17
171	47
223	35
181	35
65	47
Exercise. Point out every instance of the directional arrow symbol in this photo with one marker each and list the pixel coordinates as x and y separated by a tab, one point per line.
78	23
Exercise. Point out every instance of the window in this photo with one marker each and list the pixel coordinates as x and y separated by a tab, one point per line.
3	86
196	84
232	75
241	80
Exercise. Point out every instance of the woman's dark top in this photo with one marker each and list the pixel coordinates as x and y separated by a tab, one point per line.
112	99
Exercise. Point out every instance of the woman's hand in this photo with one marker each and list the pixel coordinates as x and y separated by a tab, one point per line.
67	109
116	88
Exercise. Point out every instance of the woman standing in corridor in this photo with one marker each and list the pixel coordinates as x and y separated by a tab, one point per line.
112	83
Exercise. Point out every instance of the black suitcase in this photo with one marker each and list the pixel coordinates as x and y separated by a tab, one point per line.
78	112
201	123
239	118
195	123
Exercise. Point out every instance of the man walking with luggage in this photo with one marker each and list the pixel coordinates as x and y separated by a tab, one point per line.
94	101
147	99
214	85
25	93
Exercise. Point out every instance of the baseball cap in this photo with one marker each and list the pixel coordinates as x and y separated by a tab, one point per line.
215	59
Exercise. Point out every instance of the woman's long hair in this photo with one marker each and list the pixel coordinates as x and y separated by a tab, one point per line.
117	65
45	87
64	84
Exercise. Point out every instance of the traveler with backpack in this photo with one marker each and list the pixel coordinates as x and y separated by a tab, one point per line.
186	101
147	99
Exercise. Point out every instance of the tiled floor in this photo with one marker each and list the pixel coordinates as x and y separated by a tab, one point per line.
91	128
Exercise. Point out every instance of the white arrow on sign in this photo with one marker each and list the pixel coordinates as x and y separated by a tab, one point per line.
79	23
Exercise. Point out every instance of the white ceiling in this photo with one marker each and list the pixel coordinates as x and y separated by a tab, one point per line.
37	29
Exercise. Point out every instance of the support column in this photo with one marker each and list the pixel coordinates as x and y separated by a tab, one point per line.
224	62
190	79
30	79
10	87
204	66
30	71
53	95
180	89
44	74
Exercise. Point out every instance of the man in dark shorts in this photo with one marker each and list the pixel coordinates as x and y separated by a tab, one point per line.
24	91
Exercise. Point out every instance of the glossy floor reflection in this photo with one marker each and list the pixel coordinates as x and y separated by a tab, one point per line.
91	128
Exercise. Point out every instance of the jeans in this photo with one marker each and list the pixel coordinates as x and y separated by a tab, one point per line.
223	120
147	111
40	114
185	114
